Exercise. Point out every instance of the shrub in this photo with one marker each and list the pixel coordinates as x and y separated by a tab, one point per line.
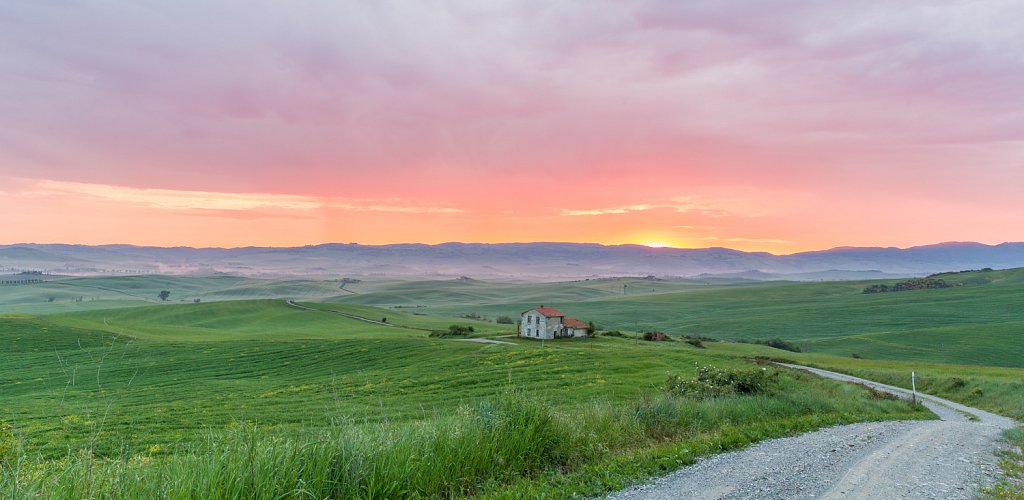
453	331
776	343
702	338
505	320
911	284
613	333
696	343
712	382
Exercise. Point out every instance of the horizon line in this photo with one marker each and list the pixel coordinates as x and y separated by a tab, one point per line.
654	248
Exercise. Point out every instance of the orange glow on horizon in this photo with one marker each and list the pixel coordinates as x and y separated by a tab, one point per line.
68	212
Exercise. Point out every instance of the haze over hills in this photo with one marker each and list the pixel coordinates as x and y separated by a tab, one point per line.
544	261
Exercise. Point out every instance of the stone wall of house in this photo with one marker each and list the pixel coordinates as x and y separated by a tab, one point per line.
535	325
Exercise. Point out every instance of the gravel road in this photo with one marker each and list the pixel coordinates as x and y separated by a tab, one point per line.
939	459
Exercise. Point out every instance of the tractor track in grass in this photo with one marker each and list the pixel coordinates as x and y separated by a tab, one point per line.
351	316
949	458
381	323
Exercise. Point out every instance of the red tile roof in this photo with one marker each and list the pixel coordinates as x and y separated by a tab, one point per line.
573	323
549	312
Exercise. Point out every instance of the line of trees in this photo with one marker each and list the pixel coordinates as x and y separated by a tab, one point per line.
911	284
20	282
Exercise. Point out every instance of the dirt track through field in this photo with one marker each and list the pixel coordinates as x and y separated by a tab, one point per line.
347	315
948	458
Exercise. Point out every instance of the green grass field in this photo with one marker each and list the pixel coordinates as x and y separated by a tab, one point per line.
145	394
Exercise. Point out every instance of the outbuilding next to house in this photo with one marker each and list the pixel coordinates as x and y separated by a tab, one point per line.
549	323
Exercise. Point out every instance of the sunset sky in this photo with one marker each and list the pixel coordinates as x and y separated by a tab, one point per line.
781	126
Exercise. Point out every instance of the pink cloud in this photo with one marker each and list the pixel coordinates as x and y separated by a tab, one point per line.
472	104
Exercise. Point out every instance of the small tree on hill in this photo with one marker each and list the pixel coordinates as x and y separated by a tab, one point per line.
460	330
163	294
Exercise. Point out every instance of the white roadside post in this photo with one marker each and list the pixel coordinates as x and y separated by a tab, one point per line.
913	385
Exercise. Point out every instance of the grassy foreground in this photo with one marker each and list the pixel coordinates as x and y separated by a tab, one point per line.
512	445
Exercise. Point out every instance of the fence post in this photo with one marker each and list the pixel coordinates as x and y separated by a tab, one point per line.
913	385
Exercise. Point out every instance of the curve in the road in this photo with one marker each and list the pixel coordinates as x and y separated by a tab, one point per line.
947	458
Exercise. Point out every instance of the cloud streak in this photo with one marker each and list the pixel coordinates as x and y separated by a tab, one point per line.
213	202
679	205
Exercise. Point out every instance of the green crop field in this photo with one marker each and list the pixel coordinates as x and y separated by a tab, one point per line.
148	394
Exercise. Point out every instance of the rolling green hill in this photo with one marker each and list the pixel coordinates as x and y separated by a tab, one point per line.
973	323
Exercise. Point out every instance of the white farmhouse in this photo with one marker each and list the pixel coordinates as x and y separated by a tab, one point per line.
548	323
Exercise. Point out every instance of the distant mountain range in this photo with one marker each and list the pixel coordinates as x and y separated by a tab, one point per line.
545	261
